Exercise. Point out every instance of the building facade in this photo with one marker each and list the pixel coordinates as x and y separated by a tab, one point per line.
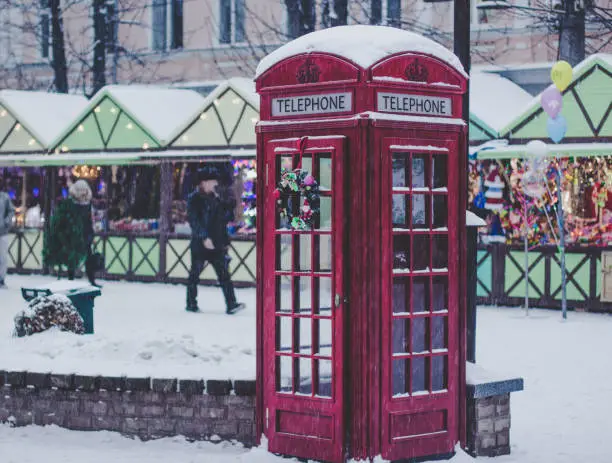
171	41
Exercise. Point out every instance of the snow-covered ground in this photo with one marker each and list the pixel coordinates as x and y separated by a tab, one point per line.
561	417
140	330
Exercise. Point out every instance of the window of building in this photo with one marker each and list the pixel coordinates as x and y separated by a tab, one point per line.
387	12
231	21
167	24
110	27
45	29
11	22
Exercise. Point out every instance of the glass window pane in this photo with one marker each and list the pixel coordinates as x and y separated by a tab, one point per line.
305	250
325	214
303	326
304	375
439	373
420	253
324	372
420	213
305	291
307	163
285	162
325	337
324	252
325	295
439	177
284	374
440	252
418	171
284	294
420	335
440	294
420	294
401	295
283	334
440	211
400	333
401	252
419	375
325	172
284	252
439	333
400	377
399	171
400	206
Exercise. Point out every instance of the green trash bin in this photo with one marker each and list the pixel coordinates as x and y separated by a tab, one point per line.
81	295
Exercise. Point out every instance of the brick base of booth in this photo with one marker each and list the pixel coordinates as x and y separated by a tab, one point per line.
489	433
146	408
488	411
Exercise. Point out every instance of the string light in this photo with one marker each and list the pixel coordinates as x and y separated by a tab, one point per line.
130	126
98	109
81	128
185	137
236	101
88	172
204	116
31	142
17	127
145	146
3	113
217	102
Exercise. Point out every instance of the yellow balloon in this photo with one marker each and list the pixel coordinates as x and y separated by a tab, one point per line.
561	75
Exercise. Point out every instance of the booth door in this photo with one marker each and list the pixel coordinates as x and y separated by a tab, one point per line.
302	312
419	298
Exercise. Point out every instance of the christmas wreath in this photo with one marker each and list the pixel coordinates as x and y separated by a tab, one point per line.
296	184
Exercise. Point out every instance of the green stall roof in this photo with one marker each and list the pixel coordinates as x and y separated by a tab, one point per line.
128	118
587	106
29	121
225	119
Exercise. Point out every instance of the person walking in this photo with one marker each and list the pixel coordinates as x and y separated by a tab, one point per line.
71	233
7	212
208	215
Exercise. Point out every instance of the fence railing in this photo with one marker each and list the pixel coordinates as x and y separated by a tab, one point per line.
501	277
138	257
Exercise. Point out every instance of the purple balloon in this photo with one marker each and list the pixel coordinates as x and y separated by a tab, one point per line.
552	101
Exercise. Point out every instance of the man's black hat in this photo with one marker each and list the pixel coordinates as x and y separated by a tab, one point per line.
208	173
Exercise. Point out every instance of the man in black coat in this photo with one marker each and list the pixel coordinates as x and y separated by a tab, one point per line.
208	215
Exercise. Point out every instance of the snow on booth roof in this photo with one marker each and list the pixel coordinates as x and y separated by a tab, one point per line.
489	92
160	110
363	45
44	114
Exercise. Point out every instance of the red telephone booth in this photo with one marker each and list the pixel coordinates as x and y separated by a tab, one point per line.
361	305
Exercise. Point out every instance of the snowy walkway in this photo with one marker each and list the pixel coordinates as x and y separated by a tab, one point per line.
141	330
562	416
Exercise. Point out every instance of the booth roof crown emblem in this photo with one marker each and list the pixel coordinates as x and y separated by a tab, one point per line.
308	73
416	72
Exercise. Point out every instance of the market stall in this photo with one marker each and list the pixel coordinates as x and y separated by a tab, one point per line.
224	125
584	162
28	123
132	145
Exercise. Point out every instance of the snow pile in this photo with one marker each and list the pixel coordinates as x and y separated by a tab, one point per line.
363	45
46	312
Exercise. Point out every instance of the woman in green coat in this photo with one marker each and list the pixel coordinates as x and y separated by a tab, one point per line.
70	236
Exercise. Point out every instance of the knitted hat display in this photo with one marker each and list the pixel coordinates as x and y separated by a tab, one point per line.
494	196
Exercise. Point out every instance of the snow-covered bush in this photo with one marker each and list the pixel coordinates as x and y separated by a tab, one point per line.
45	312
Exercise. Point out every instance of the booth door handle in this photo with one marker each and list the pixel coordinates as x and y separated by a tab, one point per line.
337	300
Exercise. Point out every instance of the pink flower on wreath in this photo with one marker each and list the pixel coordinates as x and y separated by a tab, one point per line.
309	180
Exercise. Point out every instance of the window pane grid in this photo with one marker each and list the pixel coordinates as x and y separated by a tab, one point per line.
419	341
307	262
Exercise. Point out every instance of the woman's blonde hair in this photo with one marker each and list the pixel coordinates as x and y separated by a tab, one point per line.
81	192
